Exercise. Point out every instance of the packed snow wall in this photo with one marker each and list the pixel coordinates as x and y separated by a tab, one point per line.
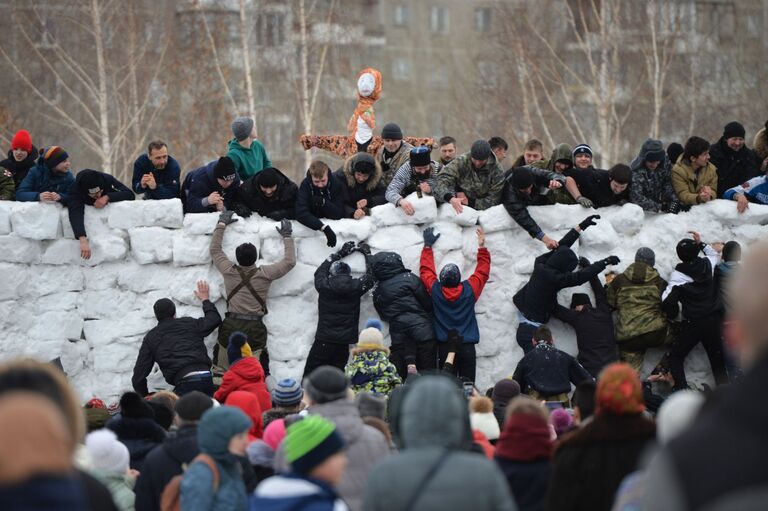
93	314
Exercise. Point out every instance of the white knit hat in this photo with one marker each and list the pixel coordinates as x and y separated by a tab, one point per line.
481	417
107	452
370	335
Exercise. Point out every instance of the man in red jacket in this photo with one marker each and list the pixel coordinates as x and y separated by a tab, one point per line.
454	304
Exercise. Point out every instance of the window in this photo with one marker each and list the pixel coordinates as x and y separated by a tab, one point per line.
438	19
401	15
270	29
483	19
401	69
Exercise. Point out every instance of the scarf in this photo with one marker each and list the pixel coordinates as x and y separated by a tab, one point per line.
525	437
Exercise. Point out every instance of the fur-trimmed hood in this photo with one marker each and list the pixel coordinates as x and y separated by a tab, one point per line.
761	143
373	181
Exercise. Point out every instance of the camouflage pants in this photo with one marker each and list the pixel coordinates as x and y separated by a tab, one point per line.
632	351
257	340
560	398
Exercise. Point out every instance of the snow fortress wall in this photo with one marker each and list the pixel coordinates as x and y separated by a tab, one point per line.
93	314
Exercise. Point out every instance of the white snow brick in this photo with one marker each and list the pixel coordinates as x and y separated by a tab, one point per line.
6	208
56	325
62	251
36	220
189	250
351	229
626	220
396	238
295	282
497	219
145	213
151	244
468	217
106	248
388	214
102	332
118	358
107	303
15	249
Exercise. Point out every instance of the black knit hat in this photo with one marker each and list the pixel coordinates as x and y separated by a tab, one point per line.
580	299
688	250
734	129
191	406
224	169
392	131
450	275
90	181
481	150
522	178
325	384
132	406
267	177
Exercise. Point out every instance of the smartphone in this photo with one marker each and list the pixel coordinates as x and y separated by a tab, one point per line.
468	386
553	405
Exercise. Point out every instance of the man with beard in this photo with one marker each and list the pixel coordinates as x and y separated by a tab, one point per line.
416	175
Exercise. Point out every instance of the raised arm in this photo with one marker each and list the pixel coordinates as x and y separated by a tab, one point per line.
280	268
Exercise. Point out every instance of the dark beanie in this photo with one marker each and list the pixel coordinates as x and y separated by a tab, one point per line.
450	275
420	156
734	129
674	150
505	390
364	163
481	150
90	181
392	131
163	414
645	255
267	177
164	309
224	169
579	299
191	406
582	149
235	347
688	250
522	178
325	384
132	406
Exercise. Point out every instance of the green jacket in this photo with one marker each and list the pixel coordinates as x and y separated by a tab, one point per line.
120	487
636	295
371	371
248	162
482	187
560	195
7	187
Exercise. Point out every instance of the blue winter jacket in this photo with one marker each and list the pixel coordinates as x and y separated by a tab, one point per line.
294	492
42	179
199	184
755	190
168	180
313	203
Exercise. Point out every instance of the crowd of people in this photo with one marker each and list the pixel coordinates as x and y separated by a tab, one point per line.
404	426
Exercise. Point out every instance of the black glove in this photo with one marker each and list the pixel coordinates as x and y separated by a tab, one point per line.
242	210
346	249
590	220
226	217
318	201
364	248
674	207
611	260
285	229
583	262
454	341
276	215
430	237
330	235
448	368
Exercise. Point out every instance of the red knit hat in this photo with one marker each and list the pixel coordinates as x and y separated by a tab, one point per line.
22	140
619	391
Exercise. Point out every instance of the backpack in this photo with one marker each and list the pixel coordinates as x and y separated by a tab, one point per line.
170	499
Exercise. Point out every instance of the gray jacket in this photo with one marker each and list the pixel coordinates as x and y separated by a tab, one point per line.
434	429
404	182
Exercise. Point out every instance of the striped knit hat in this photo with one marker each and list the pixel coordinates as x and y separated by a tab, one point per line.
286	393
582	149
310	442
54	155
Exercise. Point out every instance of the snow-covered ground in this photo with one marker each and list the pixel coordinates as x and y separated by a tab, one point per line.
93	314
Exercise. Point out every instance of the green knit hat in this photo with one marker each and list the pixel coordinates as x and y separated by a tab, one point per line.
311	441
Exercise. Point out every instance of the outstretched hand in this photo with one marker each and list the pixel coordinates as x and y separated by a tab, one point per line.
430	237
347	248
590	220
480	237
203	290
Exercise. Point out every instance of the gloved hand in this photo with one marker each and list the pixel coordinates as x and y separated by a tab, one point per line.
430	237
347	248
448	368
330	235
226	217
285	229
364	248
242	210
318	201
674	207
583	262
454	341
276	215
611	260
585	202
590	220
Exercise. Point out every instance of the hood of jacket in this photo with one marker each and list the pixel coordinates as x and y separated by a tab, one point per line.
373	180
345	415
560	152
434	414
11	164
700	269
563	259
251	187
234	145
248	368
386	265
288	492
640	273
248	403
216	429
651	145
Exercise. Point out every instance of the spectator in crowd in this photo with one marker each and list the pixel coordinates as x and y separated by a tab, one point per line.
95	189
561	162
652	179
269	194
169	459
447	150
499	147
674	150
315	450
522	188
245	373
213	482
694	178
178	347
552	272
734	161
434	468
698	469
136	428
110	465
523	452
453	302
761	143
545	372
287	397
583	402
590	463
415	175
593	326
605	187
755	190
156	174
730	262
7	186
474	179
533	152
247	154
370	370
249	404
261	453
502	393
393	152
21	157
247	286
338	309
635	294
362	185
320	196
210	188
481	418
49	180
692	285
402	301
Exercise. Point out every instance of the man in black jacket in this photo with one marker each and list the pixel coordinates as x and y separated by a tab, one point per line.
95	189
269	193
362	186
338	308
320	196
178	347
605	187
552	271
735	162
593	325
401	300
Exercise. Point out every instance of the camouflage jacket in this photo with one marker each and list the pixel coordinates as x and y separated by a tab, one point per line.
371	371
482	187
390	165
651	189
636	295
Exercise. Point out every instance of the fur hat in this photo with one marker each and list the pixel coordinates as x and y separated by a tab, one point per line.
132	406
561	420
419	156
108	454
481	417
374	323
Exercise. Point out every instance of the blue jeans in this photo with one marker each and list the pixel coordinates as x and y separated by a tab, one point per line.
201	382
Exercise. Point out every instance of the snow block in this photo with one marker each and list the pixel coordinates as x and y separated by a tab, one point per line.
6	208
295	282
468	217
36	221
61	251
388	214
190	250
151	244
15	249
145	213
106	248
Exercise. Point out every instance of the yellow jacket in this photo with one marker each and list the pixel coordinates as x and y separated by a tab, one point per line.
688	184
